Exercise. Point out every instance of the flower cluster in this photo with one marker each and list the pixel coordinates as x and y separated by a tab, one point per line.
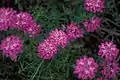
92	24
6	18
94	5
73	31
86	68
47	50
49	47
108	51
110	69
100	78
59	37
12	46
22	21
25	22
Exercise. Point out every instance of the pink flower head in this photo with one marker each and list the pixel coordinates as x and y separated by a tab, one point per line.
110	69
32	30
12	46
100	78
47	50
22	19
94	5
86	68
73	31
92	24
60	37
108	51
25	22
6	18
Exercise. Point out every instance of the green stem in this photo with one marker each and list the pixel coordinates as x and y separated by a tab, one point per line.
37	70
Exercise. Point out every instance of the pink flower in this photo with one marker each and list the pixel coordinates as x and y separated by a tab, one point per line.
25	22
6	18
94	5
92	24
110	69
100	78
47	50
59	37
22	19
108	51
32	30
73	31
12	46
86	68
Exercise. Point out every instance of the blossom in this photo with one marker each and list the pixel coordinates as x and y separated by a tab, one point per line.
6	18
100	78
92	24
108	51
86	68
12	46
26	23
59	37
47	50
22	19
94	5
110	69
73	31
32	30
